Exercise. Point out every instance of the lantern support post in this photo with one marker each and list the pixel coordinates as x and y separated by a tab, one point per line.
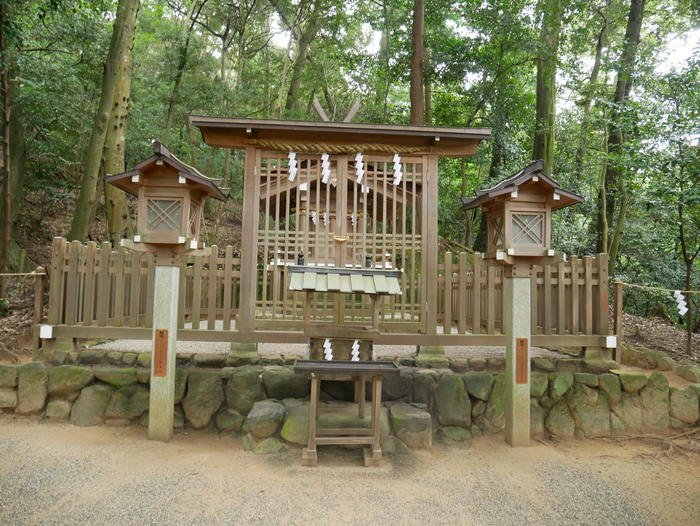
517	329
164	337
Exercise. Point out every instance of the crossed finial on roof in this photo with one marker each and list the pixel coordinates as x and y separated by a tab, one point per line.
324	116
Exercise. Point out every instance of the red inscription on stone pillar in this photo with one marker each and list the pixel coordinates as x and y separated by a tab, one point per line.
521	360
160	353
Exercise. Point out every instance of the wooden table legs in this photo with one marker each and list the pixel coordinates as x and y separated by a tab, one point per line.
308	455
370	437
373	456
360	395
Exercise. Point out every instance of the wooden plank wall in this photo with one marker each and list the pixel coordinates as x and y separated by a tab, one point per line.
93	285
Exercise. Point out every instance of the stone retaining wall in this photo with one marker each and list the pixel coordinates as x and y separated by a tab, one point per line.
266	403
638	356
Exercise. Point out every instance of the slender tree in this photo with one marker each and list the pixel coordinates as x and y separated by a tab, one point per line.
6	109
122	38
417	63
191	18
614	191
119	221
543	143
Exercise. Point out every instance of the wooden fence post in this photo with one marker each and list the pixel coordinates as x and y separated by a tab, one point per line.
619	288
39	287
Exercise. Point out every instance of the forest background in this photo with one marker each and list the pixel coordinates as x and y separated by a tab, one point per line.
607	92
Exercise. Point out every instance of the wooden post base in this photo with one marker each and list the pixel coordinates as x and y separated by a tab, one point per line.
372	457
309	457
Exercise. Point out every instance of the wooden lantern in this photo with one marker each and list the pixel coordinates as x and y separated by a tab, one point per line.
170	199
519	213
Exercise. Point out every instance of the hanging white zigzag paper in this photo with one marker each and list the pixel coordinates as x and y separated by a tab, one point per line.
681	305
292	165
324	216
355	351
359	167
398	174
314	217
327	349
325	167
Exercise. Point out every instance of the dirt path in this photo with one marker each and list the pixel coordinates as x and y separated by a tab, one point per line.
61	474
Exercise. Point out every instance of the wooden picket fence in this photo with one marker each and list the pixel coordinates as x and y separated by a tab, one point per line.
98	291
94	285
567	298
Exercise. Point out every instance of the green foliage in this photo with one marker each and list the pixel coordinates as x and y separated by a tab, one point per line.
480	65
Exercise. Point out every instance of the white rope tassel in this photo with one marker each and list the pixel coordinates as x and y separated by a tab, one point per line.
355	351
292	165
327	350
325	168
681	305
359	167
398	174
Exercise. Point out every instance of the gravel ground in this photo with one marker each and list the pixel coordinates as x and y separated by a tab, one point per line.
60	474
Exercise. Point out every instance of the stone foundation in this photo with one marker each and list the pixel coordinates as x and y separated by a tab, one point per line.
245	354
267	404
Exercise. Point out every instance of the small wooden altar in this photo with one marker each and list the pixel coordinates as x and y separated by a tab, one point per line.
340	370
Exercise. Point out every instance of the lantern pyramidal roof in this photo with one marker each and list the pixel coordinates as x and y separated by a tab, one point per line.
162	155
531	174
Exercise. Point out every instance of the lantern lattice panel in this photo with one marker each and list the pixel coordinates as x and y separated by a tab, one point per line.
528	229
164	215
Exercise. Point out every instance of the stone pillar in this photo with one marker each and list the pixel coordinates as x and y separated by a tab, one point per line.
517	328
432	356
242	354
162	401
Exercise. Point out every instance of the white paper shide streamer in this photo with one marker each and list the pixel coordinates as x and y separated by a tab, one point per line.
681	305
292	165
314	217
327	350
325	168
359	167
398	174
355	354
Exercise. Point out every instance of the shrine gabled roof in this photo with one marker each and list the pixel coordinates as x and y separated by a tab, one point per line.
533	172
307	278
161	153
339	137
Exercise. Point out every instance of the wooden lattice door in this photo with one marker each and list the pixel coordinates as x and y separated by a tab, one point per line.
338	216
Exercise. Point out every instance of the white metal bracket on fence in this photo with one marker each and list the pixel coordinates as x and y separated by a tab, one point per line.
46	332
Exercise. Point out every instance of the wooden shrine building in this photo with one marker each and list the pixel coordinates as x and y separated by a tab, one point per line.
338	195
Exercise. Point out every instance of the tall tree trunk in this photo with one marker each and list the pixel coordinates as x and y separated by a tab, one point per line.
192	16
17	151
119	221
625	69
306	37
428	102
417	60
588	94
6	186
382	90
122	38
543	143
